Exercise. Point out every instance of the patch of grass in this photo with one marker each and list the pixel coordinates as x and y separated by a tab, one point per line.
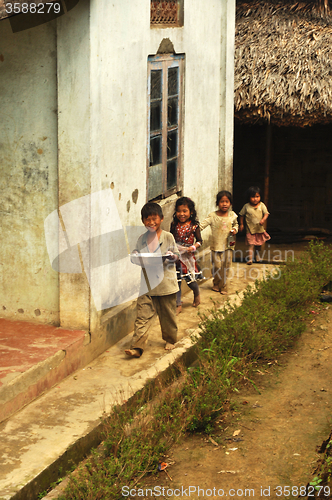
321	484
233	339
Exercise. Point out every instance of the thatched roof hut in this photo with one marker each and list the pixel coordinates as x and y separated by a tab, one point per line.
283	62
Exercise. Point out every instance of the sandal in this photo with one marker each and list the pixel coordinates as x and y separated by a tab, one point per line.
133	353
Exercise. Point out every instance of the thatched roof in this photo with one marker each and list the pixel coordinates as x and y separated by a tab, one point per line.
3	13
283	63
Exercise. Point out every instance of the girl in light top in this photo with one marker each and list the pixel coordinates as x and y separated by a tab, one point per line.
223	223
255	214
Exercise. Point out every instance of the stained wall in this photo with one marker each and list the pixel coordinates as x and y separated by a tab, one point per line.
82	129
28	178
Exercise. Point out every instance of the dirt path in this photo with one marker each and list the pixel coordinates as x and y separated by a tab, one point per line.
280	429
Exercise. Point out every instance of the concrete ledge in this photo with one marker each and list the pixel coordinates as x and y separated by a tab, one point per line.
32	362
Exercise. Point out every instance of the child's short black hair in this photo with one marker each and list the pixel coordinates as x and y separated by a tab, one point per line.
224	193
151	209
252	191
184	200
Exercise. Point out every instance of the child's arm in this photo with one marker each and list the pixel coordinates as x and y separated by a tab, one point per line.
266	213
132	254
206	222
235	225
172	251
199	241
264	219
242	214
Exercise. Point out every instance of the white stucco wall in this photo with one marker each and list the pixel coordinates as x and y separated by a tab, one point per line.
74	130
83	126
121	41
28	163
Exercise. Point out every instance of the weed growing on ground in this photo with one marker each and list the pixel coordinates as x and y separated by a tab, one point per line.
138	433
322	481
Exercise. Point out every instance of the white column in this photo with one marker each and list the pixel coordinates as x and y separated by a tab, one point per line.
225	174
73	51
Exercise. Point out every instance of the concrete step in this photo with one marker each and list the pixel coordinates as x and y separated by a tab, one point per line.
33	358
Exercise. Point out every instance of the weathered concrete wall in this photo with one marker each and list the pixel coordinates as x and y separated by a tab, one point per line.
199	40
121	41
28	179
73	35
226	101
100	130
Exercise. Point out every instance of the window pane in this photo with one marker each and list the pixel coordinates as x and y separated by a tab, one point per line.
172	144
172	114
173	81
171	174
155	150
165	106
155	182
155	116
156	84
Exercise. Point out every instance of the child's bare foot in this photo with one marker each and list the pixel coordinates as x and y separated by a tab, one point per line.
197	301
215	289
133	353
169	346
178	309
223	292
249	262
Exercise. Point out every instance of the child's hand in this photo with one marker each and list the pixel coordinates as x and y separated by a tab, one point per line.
133	254
171	256
232	231
261	222
191	249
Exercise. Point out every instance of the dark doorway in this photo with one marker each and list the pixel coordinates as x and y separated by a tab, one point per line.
300	173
